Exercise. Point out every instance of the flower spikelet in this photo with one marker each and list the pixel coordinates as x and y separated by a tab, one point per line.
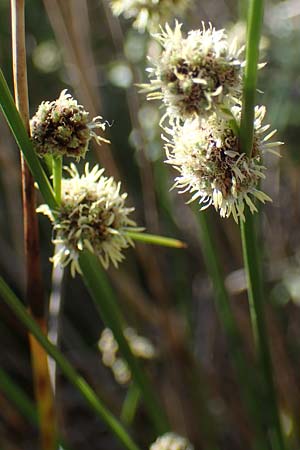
62	127
140	346
171	441
196	74
92	216
212	166
148	14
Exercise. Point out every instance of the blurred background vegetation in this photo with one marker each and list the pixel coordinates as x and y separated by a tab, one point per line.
165	294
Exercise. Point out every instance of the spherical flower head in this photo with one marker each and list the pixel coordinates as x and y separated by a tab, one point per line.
171	441
92	216
196	74
140	346
212	167
62	127
148	14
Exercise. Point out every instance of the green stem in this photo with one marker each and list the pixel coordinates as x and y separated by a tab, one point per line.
155	240
105	302
18	129
255	18
256	305
80	384
130	404
57	176
249	389
248	232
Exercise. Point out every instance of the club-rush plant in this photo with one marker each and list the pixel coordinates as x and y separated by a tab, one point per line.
195	74
171	441
149	14
93	216
62	128
215	139
207	155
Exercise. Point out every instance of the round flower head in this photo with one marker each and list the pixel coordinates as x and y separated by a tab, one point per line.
62	128
211	166
148	14
92	216
171	441
140	346
196	74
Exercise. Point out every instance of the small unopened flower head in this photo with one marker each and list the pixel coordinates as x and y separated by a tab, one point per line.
140	346
212	167
62	128
196	74
148	14
92	216
171	441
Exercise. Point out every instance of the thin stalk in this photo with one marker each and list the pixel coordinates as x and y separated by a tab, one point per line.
255	19
80	384
20	133
155	239
105	302
248	232
34	283
57	176
256	305
130	404
249	390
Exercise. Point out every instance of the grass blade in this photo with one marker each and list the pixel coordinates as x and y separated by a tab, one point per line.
80	384
22	402
101	292
156	240
18	129
34	280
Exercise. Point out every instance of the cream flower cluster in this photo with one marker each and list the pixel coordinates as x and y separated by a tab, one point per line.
140	346
196	74
92	216
198	77
148	14
171	441
62	128
207	156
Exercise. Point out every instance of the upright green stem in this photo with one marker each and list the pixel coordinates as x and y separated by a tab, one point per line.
248	231
57	175
250	390
105	302
256	305
255	18
80	384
